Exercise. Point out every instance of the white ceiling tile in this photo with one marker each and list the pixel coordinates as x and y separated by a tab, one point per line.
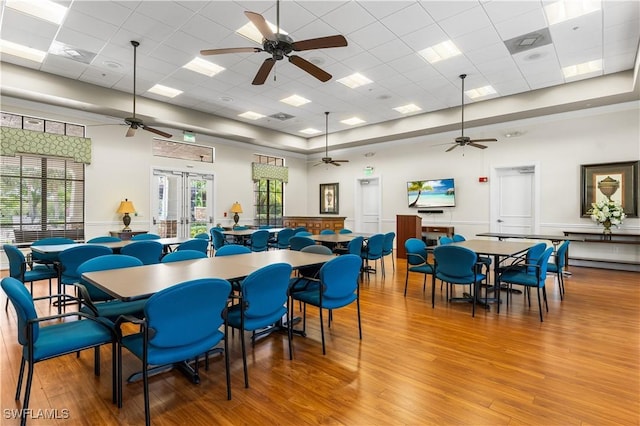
425	37
380	9
392	50
478	39
371	36
172	14
86	24
521	24
80	40
440	10
466	22
349	18
110	12
499	11
39	35
407	20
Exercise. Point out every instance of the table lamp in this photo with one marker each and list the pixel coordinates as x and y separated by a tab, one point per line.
235	209
125	208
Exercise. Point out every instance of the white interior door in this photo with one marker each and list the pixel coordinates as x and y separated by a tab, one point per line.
183	206
368	204
514	200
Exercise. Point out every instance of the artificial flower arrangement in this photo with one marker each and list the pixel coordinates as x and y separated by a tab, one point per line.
607	213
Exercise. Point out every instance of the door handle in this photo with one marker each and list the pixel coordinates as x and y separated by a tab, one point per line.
154	221
499	220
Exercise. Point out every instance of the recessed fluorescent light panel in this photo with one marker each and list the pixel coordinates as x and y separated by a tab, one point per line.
440	52
409	108
250	31
295	100
355	80
161	90
564	10
251	115
43	9
310	131
353	121
24	52
480	92
583	68
201	66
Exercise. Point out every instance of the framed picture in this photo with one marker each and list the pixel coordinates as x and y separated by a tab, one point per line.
615	181
329	198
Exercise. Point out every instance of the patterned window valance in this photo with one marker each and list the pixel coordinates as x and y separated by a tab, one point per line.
269	171
22	141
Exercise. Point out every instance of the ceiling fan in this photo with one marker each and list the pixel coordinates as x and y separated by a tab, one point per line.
466	140
134	122
326	159
280	46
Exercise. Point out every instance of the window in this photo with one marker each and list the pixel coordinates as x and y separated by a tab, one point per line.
268	194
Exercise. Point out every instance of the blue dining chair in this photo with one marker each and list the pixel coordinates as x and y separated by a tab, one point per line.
48	258
417	262
259	241
19	269
299	229
558	267
302	234
218	239
327	232
180	323
198	244
263	302
456	265
232	249
372	251
387	249
345	231
338	287
149	252
143	237
282	239
71	258
202	235
532	275
104	239
178	256
96	302
298	242
40	343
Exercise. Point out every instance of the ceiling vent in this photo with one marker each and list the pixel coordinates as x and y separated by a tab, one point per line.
281	116
528	41
71	52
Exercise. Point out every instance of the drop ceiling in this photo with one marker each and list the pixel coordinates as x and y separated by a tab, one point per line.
508	45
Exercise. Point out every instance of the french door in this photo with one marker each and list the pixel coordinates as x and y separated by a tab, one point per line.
182	204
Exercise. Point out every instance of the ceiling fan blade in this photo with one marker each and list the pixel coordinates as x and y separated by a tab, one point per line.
452	148
476	145
230	50
319	43
340	161
307	66
261	24
335	163
264	71
157	132
484	140
130	131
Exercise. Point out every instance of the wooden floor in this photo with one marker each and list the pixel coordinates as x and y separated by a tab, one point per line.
414	366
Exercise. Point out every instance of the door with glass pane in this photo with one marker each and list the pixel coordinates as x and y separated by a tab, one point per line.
183	203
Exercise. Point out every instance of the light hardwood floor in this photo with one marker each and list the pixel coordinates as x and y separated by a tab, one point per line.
414	366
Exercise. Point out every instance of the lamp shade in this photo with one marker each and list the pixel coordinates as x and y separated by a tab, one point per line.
126	206
236	208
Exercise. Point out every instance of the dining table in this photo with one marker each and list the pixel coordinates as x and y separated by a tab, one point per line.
242	235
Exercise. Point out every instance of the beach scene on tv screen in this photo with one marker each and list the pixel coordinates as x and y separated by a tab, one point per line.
431	193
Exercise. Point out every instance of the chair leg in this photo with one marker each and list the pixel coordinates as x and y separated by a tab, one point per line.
289	332
406	283
96	360
539	304
145	384
433	291
20	376
324	352
226	363
244	358
114	372
27	394
393	262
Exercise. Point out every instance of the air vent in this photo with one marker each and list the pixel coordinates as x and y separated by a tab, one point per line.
528	41
281	116
71	52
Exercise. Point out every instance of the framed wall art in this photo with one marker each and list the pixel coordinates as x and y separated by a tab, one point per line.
617	182
329	198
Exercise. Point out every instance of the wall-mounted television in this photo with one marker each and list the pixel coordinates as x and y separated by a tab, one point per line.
431	193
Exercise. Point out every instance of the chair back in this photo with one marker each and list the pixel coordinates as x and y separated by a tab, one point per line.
197	244
17	263
25	309
178	256
387	243
302	234
339	277
444	240
317	248
345	231
51	241
373	250
416	251
542	262
265	227
299	229
532	256
202	235
240	228
186	313
265	291
231	249
218	238
104	239
355	246
283	238
149	252
260	240
298	242
143	237
327	232
561	255
455	264
71	258
457	238
104	263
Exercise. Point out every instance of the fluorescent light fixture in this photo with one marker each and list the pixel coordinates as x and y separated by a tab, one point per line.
251	115
295	100
440	52
353	121
24	52
355	80
583	68
250	31
480	92
310	131
201	66
161	90
406	109
564	10
43	9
